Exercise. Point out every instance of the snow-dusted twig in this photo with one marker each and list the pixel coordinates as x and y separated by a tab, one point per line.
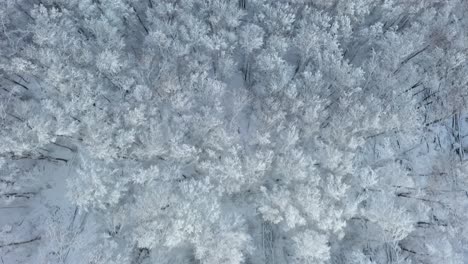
21	242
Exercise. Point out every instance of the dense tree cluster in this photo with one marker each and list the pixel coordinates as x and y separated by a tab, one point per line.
250	131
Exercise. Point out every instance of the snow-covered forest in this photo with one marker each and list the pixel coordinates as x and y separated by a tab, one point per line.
233	131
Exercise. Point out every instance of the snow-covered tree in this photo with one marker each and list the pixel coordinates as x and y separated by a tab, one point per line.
244	131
